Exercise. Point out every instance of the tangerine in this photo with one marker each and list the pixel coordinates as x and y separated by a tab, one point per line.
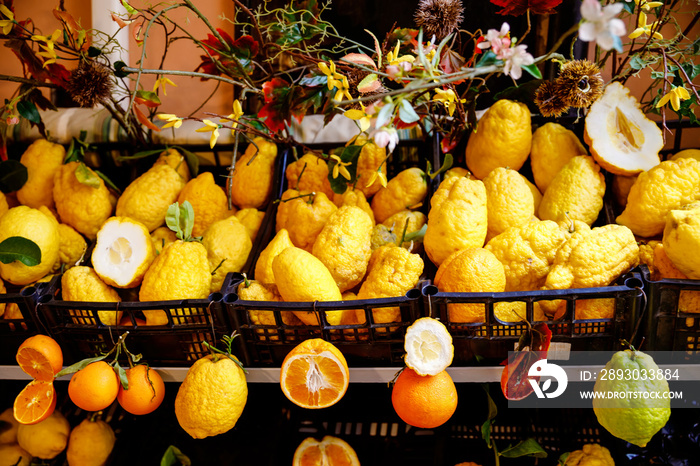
41	357
94	387
145	393
314	374
35	402
424	401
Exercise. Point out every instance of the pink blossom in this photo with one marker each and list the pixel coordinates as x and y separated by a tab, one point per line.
498	41
515	58
387	137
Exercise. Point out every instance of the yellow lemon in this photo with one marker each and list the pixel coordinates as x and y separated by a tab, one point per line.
90	443
502	138
314	177
85	207
42	159
212	397
681	240
34	225
82	283
404	191
252	220
45	439
208	201
263	267
552	147
228	244
509	200
251	183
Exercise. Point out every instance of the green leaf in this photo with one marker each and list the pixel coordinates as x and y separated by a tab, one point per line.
191	159
94	52
528	447
657	75
129	9
148	97
416	235
533	70
314	81
638	63
486	431
107	181
118	69
121	373
174	456
139	155
628	7
17	248
562	458
488	58
13	175
180	219
384	115
407	113
446	165
29	111
79	365
86	176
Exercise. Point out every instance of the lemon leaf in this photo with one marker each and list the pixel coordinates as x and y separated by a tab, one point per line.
563	458
17	248
13	176
528	447
121	373
80	365
180	219
86	176
174	456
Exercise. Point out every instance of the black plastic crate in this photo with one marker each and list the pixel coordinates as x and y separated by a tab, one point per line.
80	332
365	344
491	340
669	325
14	331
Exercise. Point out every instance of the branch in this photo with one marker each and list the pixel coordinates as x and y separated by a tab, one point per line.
32	82
193	74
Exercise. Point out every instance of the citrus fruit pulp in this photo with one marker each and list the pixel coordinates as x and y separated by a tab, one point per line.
331	451
428	346
40	357
35	402
314	374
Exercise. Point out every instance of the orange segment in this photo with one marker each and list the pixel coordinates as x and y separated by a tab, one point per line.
331	451
35	402
40	357
314	374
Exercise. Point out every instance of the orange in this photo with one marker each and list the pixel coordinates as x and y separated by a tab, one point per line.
35	402
424	401
94	387
314	374
331	451
146	390
41	357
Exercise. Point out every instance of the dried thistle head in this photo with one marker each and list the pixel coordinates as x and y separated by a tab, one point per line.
439	17
90	83
549	101
579	83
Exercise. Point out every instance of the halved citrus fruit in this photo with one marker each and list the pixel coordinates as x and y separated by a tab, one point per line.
331	451
123	252
314	374
428	346
40	357
35	402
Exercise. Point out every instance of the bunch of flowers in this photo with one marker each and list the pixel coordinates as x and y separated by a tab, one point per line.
430	75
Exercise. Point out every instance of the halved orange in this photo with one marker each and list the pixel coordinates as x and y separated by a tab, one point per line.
331	451
40	357
314	374
35	402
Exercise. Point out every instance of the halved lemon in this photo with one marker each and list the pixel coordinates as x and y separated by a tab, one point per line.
314	374
621	138
428	346
123	252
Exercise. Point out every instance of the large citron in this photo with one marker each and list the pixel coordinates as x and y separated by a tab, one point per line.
502	138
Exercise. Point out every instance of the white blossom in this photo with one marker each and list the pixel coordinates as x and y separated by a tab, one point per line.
387	137
601	25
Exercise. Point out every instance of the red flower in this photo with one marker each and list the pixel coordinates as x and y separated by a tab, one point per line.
518	7
279	104
234	55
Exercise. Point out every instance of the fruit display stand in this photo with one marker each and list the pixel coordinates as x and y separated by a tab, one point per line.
491	340
672	322
81	333
369	344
